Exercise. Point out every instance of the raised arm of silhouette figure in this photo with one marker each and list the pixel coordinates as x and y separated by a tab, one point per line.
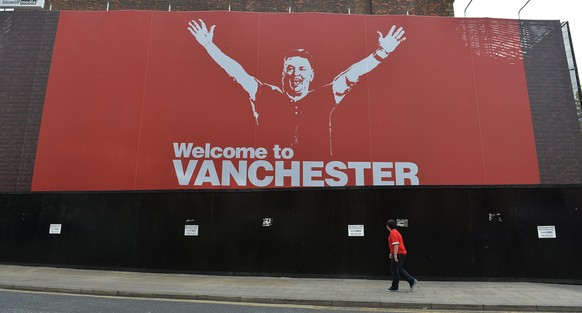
343	83
204	36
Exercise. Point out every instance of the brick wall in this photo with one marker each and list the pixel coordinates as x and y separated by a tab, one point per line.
558	140
26	45
413	7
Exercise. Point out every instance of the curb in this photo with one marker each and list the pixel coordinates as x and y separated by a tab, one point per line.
294	301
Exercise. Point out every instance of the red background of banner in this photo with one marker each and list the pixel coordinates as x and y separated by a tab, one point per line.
124	86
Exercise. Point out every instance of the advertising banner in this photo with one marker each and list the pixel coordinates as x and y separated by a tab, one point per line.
190	100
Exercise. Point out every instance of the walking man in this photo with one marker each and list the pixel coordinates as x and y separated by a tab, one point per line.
397	257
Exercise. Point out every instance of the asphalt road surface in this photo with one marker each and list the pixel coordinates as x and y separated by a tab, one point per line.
37	302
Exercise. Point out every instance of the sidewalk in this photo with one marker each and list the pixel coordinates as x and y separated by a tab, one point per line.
490	296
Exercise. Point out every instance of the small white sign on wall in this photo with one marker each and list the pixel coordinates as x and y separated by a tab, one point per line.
355	230
402	222
55	229
191	230
547	231
22	4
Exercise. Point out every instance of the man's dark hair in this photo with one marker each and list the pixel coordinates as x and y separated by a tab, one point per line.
391	224
302	53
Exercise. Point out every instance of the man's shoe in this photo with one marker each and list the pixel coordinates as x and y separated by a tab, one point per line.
391	289
412	283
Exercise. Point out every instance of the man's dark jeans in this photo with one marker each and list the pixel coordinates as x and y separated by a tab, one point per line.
397	270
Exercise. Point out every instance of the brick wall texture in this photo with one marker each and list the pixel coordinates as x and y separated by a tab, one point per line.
412	7
26	45
558	140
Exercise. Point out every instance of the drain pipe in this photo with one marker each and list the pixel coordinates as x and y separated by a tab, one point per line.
465	12
519	12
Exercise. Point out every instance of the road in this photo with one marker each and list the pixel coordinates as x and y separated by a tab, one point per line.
37	302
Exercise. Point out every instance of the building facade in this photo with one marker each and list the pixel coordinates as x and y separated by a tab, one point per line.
410	7
93	106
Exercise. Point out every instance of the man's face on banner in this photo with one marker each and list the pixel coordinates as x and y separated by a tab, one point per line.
297	74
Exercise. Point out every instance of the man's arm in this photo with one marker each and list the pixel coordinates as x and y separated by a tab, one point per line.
204	36
348	78
395	252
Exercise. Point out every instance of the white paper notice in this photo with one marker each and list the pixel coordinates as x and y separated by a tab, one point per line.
355	230
402	222
546	231
191	230
55	229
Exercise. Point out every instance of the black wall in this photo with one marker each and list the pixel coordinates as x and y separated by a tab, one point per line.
450	233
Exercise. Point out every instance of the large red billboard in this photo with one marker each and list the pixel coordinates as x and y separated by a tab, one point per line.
189	100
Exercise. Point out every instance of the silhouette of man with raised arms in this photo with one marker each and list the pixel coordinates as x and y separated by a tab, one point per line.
295	115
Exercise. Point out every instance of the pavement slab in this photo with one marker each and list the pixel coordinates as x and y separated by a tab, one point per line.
486	296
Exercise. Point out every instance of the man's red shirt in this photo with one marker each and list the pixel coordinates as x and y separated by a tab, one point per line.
395	238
